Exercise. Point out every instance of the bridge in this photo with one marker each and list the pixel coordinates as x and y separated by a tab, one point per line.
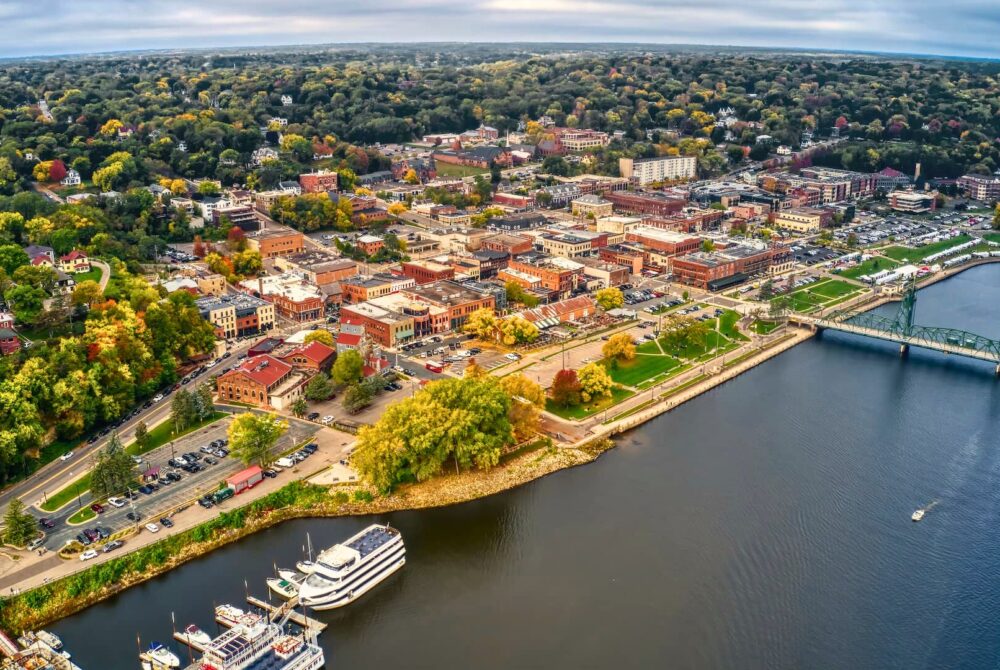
901	329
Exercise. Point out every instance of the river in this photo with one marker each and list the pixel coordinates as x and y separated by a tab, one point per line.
766	524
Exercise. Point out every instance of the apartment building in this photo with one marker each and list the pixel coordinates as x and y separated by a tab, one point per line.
626	202
237	315
427	271
980	187
803	220
668	242
275	241
591	205
318	182
664	168
317	267
558	276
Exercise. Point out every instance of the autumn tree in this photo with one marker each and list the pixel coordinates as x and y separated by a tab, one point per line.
609	298
527	403
595	382
348	368
566	389
320	335
619	346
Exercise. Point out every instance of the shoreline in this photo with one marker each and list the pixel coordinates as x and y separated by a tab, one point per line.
449	489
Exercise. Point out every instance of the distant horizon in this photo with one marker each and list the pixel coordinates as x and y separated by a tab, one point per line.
581	46
964	29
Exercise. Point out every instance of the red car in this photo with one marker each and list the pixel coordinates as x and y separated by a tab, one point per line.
98	507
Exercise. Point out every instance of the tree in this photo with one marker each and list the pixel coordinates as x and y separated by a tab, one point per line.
619	347
996	217
320	335
360	395
483	324
252	436
299	407
595	382
26	302
766	290
87	292
462	421
142	438
209	188
247	263
473	370
707	246
566	389
20	527
12	257
182	410
114	470
348	368
610	298
527	403
319	388
518	330
236	239
410	177
852	240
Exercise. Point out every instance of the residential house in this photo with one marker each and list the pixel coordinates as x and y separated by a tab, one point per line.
75	261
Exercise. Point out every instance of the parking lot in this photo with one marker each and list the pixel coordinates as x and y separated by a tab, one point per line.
150	507
454	351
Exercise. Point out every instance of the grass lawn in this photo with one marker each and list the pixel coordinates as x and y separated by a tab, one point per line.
158	436
870	266
618	394
640	368
650	347
914	255
822	294
659	379
94	274
727	326
763	327
835	288
992	237
450	170
85	514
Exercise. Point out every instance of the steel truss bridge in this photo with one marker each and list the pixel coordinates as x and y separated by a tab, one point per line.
901	329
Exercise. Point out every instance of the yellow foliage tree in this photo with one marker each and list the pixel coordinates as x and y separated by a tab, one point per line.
595	382
527	403
619	347
111	127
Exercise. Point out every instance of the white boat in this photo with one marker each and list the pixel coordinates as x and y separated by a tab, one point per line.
49	639
262	645
290	575
346	571
918	515
306	567
162	656
283	587
194	635
231	616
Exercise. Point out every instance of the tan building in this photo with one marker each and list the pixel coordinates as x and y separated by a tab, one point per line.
664	168
594	205
802	220
617	224
212	284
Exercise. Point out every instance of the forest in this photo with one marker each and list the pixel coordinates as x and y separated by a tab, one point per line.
201	115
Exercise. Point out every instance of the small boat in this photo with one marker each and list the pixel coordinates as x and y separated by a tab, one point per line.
49	639
228	615
306	567
290	575
160	654
918	515
196	635
287	646
283	587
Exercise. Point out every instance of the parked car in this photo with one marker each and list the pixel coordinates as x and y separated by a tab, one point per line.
133	516
174	476
152	528
111	546
83	539
90	534
98	508
210	461
271	473
87	555
513	357
205	501
312	416
166	522
285	462
327	420
46	523
65	457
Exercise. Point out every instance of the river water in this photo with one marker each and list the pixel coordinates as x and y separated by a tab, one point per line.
764	525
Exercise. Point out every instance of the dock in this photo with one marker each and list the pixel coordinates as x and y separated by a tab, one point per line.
276	613
183	639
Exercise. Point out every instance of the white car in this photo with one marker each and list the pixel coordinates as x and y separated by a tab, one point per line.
116	502
152	528
87	555
65	457
327	420
158	397
513	357
285	462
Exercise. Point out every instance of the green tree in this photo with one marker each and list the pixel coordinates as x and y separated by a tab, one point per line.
182	410
114	470
20	527
707	246
12	257
996	217
360	395
141	437
300	407
319	388
253	436
26	302
347	369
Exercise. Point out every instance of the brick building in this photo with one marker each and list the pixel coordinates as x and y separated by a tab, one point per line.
277	241
717	270
510	244
237	315
318	267
558	276
318	182
315	357
425	272
262	381
626	202
668	242
9	342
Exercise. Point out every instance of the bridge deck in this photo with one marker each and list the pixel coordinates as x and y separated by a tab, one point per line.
910	340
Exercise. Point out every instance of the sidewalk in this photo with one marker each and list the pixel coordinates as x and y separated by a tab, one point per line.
33	570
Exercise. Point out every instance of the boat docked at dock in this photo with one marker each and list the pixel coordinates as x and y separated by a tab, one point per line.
193	635
230	616
283	587
346	571
51	639
263	645
159	656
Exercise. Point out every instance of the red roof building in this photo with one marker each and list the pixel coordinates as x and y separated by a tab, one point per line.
255	381
314	356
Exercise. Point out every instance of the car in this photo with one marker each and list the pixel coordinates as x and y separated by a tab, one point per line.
164	481
91	533
131	495
205	501
327	420
152	528
210	461
220	453
513	357
65	457
102	533
116	502
174	476
311	448
271	473
112	545
46	523
83	539
312	416
87	555
208	449
36	543
285	462
146	489
166	522
158	397
98	508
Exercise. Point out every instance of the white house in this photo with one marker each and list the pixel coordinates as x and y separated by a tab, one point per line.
72	178
262	155
286	100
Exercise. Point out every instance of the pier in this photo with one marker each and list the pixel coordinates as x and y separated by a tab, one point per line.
287	609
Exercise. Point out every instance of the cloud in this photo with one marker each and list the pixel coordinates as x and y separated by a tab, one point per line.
36	27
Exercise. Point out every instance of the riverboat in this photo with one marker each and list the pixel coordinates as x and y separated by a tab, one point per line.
346	571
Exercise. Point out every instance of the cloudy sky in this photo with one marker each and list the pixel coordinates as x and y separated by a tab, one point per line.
953	27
